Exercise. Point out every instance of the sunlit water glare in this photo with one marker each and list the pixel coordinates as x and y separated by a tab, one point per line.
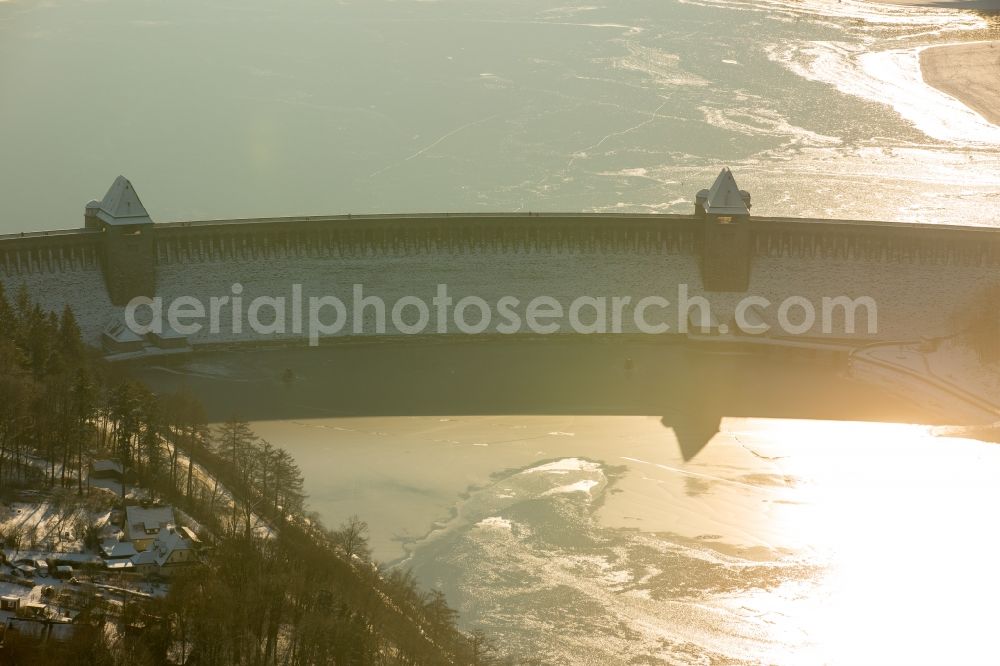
588	540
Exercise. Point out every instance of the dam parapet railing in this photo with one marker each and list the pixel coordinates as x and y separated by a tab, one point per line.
380	235
585	233
50	251
360	235
368	235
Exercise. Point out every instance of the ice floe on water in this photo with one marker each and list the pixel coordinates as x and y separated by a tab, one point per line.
877	14
890	77
524	560
495	521
764	122
584	486
565	466
663	67
850	51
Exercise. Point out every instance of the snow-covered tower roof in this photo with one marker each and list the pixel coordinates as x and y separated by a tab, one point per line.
725	197
120	206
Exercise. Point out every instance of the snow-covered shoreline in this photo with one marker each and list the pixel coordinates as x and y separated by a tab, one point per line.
948	378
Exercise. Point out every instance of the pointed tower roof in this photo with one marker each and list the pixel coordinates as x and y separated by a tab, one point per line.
725	197
121	205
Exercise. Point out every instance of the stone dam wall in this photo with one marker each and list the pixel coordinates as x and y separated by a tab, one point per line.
925	279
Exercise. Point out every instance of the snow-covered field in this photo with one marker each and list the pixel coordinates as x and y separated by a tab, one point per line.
47	526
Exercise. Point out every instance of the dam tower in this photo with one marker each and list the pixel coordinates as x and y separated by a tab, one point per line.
725	258
128	257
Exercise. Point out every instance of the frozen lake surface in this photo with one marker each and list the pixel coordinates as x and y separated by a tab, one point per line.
562	505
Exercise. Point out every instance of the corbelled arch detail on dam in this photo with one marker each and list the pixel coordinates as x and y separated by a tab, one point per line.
719	249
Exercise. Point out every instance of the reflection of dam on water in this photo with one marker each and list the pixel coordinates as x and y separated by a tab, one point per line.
689	389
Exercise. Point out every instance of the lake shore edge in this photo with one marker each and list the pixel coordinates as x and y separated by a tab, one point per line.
968	72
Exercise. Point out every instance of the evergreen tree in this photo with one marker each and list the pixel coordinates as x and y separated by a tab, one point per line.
234	443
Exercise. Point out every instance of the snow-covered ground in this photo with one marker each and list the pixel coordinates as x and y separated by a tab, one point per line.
949	378
961	365
47	526
206	485
36	529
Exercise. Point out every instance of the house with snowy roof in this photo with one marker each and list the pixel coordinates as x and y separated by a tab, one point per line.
107	469
113	550
117	338
143	524
168	552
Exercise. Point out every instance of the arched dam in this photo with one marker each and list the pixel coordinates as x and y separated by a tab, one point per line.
925	279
